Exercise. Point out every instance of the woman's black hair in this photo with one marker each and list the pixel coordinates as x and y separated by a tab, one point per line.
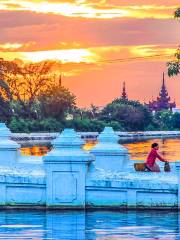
154	145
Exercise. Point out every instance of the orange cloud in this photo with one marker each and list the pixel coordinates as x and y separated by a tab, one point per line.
91	55
65	9
153	50
87	9
11	47
74	62
64	56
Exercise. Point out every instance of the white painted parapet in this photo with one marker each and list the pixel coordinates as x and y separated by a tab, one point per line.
62	180
8	148
66	168
110	155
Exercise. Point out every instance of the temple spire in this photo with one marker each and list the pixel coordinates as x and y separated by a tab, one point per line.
163	100
60	81
163	95
124	95
163	80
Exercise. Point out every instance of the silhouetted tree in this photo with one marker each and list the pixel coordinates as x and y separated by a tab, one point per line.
56	102
5	110
164	119
24	83
132	115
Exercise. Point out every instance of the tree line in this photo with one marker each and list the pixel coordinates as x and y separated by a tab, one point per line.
32	99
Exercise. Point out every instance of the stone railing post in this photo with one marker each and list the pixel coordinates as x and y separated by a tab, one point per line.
178	175
66	168
110	155
8	148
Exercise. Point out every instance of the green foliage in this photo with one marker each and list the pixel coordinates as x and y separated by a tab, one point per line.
87	125
174	66
18	125
177	13
81	113
18	110
56	102
131	115
127	102
29	125
5	110
164	119
150	127
115	125
176	121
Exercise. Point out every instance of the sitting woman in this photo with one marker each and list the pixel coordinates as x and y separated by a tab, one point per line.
151	164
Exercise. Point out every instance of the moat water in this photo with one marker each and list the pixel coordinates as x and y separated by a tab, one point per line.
97	225
138	148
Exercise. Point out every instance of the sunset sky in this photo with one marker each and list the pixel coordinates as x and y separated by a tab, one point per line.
99	43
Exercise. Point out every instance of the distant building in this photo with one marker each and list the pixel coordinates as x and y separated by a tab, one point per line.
163	100
124	94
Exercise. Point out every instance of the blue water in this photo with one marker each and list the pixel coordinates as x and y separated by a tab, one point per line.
100	225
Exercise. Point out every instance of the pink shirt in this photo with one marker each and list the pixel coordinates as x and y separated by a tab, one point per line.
152	157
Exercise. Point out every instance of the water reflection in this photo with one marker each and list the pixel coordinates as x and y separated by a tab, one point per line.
169	148
98	225
35	150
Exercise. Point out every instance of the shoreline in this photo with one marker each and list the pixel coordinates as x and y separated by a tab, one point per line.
46	138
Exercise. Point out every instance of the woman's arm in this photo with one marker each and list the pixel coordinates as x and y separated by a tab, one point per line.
160	158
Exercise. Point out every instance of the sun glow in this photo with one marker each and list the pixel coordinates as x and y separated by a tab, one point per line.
69	55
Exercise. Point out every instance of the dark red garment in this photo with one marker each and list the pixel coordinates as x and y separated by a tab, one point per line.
152	158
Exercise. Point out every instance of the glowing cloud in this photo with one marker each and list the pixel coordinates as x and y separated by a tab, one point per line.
89	10
68	55
7	46
96	55
15	46
65	9
152	50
